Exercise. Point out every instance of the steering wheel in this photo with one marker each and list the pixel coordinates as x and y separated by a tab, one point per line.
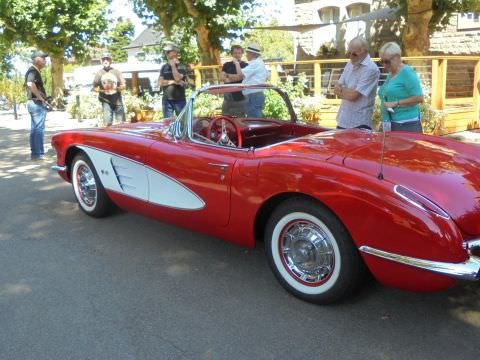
221	137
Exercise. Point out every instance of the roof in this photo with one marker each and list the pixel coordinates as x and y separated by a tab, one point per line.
147	37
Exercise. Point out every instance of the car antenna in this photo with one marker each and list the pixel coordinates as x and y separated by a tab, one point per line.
380	174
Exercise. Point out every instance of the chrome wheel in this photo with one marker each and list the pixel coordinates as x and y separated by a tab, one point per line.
307	252
304	253
88	188
84	185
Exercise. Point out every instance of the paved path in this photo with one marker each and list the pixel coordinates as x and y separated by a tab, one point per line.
127	287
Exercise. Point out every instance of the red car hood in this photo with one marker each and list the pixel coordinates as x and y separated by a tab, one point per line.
151	130
443	170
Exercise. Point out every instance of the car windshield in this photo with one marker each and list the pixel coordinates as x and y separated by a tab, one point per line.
254	103
242	117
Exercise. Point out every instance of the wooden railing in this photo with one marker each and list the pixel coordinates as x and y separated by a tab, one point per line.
453	79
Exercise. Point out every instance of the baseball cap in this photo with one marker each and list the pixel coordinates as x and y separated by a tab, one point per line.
106	56
172	47
39	53
254	48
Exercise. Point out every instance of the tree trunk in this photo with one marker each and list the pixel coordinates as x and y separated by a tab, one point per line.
209	54
416	38
57	80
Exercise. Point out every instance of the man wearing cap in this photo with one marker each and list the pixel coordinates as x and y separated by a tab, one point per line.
255	73
109	83
173	80
233	103
36	104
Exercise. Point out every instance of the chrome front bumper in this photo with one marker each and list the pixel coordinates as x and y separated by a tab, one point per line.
468	270
59	168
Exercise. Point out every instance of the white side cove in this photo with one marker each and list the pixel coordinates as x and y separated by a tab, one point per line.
168	192
132	178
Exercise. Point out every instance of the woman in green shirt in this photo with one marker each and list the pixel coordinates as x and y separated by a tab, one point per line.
401	93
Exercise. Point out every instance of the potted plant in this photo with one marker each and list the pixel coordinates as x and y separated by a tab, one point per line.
147	111
310	109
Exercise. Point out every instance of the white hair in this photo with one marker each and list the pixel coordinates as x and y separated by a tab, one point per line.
360	40
390	49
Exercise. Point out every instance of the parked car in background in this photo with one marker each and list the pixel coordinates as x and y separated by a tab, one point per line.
329	205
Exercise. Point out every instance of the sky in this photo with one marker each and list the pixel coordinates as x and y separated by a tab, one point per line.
283	12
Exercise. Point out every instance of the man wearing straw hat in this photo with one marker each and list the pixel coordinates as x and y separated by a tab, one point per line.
255	73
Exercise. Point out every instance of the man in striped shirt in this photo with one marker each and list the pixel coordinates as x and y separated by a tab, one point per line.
357	87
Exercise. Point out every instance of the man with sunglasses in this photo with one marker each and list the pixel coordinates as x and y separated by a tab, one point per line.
357	87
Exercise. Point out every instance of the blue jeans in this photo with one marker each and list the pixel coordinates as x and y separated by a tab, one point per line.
38	113
109	111
412	126
172	106
254	104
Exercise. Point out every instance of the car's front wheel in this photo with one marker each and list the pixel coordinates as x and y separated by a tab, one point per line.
311	253
88	190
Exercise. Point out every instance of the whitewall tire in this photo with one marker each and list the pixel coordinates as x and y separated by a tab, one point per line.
88	189
311	253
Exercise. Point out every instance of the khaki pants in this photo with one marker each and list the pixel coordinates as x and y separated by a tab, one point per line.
233	108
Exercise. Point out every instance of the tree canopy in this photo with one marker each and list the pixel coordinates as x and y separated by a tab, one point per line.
119	37
58	27
275	44
423	17
210	22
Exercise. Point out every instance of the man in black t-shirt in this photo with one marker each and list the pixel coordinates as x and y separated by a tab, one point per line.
36	104
233	103
173	80
109	83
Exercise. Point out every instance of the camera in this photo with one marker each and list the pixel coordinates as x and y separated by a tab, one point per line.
48	103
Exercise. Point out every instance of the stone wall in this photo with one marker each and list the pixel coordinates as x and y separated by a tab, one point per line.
453	42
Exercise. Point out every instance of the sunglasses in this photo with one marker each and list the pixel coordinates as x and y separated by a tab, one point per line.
387	61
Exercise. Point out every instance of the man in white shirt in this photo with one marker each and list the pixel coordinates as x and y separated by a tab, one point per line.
357	87
253	74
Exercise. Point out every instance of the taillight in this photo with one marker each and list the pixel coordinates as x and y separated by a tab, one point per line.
473	247
420	201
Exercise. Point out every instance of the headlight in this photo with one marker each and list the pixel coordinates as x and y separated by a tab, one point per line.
420	201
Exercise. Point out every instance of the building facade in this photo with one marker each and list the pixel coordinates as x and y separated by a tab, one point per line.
330	40
461	37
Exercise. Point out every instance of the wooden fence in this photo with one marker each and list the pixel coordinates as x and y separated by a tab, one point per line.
452	80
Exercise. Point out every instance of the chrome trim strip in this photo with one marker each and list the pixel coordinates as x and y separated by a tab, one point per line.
468	270
419	206
58	168
110	153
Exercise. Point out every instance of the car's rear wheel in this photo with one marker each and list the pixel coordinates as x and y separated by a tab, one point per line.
88	190
311	253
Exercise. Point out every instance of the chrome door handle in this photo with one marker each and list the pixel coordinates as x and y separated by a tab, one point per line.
221	166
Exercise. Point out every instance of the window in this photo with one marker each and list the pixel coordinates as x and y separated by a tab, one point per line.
357	9
468	21
329	14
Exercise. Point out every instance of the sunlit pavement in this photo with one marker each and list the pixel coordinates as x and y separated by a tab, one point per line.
126	287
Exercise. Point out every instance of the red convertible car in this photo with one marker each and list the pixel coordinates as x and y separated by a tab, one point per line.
329	205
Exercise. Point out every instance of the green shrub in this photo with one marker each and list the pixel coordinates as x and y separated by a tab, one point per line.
13	89
207	105
90	107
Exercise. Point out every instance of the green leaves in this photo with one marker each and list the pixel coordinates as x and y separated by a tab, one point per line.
220	19
119	37
55	26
